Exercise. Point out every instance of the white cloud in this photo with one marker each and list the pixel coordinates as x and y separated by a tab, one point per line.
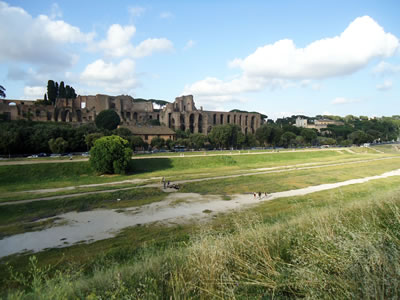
278	64
55	11
166	15
385	68
136	11
189	45
114	78
343	100
347	53
39	40
386	85
118	43
34	92
149	46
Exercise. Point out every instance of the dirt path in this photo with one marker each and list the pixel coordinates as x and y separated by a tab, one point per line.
90	226
261	171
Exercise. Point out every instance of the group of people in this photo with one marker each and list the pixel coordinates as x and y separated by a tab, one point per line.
167	184
259	195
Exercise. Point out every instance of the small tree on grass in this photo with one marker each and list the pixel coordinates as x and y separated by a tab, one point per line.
58	145
107	119
110	155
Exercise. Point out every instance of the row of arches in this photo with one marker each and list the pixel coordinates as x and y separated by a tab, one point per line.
219	119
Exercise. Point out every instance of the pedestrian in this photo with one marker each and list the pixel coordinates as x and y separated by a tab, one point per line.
265	194
168	183
259	195
255	194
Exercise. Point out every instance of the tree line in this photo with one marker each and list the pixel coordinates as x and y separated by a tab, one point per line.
26	137
55	91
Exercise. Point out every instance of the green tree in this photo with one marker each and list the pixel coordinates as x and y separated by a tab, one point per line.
91	138
61	90
110	155
51	91
170	144
107	119
263	134
58	145
8	141
2	92
157	142
287	139
70	92
136	142
309	135
197	140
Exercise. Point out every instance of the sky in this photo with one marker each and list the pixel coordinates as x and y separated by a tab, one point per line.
279	58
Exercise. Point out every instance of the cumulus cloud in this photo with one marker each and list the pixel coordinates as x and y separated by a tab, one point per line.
281	63
118	43
385	68
343	100
39	40
386	85
34	92
347	53
114	78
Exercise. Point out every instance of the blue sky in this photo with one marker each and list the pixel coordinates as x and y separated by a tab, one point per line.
276	57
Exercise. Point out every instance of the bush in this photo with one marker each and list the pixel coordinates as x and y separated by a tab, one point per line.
110	154
107	119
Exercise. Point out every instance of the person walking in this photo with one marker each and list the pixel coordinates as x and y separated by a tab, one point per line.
259	195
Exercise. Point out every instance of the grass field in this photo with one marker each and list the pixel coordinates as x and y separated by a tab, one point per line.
337	244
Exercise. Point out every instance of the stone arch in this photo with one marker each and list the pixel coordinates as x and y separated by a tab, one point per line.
37	112
247	120
135	116
214	119
228	119
240	120
200	124
221	119
173	123
234	119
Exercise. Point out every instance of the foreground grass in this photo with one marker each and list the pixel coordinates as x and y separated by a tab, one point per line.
340	244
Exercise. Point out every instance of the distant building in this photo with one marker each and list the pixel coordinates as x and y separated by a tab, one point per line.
181	114
318	124
147	133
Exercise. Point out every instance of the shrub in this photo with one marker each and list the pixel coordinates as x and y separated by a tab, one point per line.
110	154
107	119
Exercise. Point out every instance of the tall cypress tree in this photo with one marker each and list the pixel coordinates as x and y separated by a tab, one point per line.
51	91
61	90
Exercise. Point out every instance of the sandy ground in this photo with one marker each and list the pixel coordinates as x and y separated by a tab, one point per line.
75	227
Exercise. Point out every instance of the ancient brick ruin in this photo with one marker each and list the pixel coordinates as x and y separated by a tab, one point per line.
181	114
